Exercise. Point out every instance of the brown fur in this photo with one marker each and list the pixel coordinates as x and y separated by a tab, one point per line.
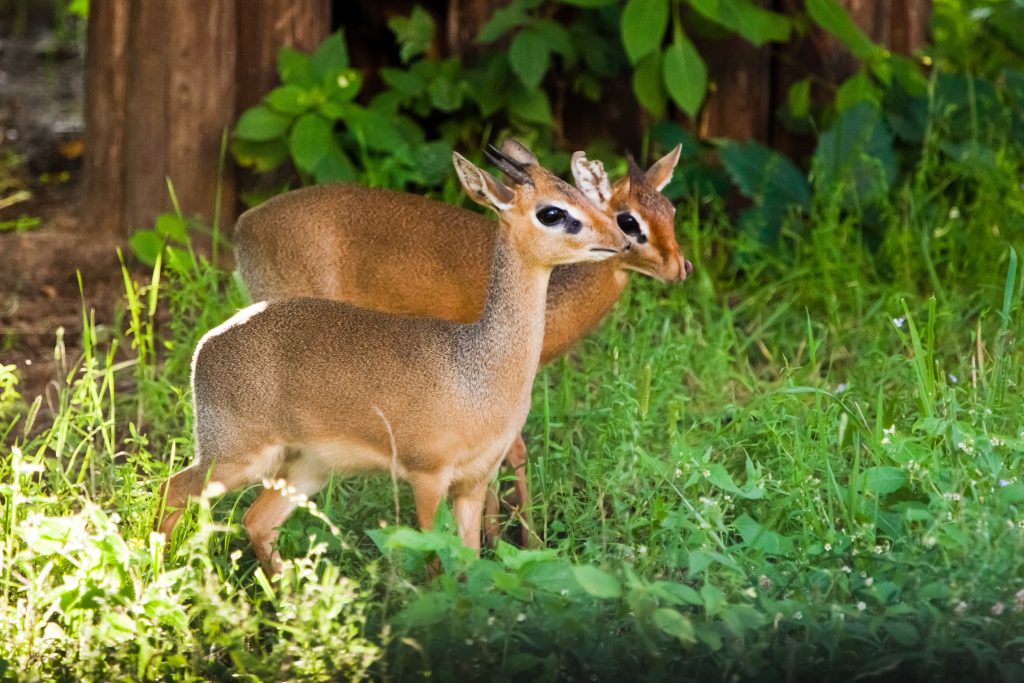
403	253
335	382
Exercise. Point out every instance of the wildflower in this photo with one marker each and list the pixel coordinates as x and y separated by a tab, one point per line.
961	608
1003	483
952	378
841	388
898	322
642	550
828	547
679	473
954	213
491	620
861	606
869	581
706	473
890	430
847	569
521	617
997	609
798	616
766	585
1018	601
996	442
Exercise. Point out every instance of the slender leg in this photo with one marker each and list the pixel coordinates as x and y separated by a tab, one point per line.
468	506
427	489
271	508
492	516
190	482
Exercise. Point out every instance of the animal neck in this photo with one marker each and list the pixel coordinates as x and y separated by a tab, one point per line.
509	334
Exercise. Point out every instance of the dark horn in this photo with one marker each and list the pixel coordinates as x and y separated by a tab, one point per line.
509	166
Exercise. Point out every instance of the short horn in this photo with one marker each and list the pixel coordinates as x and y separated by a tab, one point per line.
509	166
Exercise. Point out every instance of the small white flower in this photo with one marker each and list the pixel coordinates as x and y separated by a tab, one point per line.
961	608
841	388
491	620
828	547
954	213
861	606
869	581
997	609
798	616
679	473
890	430
898	322
995	442
521	617
952	378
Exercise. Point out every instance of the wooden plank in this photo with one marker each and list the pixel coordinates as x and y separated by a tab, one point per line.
105	71
739	102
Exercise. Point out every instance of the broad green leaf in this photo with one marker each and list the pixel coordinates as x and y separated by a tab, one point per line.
309	140
762	173
714	599
903	632
676	593
529	57
428	609
596	582
685	75
756	25
530	106
260	156
647	85
557	38
294	67
290	100
260	124
856	154
330	57
761	538
643	27
146	245
831	16
856	89
171	226
798	99
414	33
504	20
883	479
408	84
674	624
377	131
344	85
335	167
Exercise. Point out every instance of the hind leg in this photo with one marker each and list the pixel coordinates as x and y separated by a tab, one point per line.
302	479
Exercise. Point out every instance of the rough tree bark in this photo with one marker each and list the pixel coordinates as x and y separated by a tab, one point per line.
164	80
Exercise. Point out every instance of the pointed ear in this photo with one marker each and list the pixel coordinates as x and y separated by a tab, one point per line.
519	152
481	186
660	173
591	179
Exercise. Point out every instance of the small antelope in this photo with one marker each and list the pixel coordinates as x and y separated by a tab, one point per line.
298	389
404	253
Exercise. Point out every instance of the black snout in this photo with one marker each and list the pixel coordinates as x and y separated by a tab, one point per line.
688	267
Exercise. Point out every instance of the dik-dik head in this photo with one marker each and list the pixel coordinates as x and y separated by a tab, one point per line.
637	206
549	221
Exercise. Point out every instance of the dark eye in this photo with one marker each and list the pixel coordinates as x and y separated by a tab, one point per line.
551	215
629	225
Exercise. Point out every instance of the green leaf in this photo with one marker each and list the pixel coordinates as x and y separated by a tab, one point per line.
502	21
330	58
761	538
798	99
415	33
171	226
883	480
529	57
647	86
310	137
557	38
406	83
756	25
377	131
713	598
856	155
290	100
676	593
445	94
146	245
643	27
903	632
344	85
596	582
261	156
831	16
260	124
588	3
685	75
856	89
429	609
674	624
530	106
764	174
294	67
335	167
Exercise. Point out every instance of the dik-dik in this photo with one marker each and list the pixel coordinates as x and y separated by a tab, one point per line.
404	253
298	389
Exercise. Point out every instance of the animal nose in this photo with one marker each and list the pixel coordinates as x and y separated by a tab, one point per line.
627	246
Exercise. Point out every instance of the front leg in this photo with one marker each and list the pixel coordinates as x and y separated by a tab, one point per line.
468	506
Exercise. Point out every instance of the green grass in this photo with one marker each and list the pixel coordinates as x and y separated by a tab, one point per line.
803	463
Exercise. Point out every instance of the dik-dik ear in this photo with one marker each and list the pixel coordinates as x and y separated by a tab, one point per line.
481	186
591	179
519	152
660	173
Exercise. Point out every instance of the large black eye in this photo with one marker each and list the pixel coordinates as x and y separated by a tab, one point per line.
629	225
551	215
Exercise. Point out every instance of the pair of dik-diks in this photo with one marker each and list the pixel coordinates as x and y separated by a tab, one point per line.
410	361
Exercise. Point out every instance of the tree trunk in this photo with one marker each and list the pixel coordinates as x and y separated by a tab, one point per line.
164	80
